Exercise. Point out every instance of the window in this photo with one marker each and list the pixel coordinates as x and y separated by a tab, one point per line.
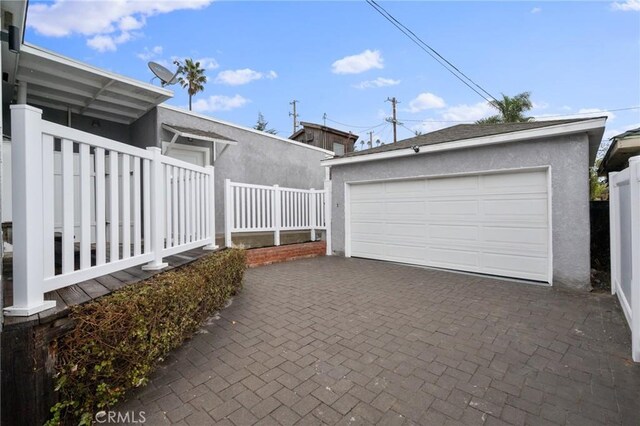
338	148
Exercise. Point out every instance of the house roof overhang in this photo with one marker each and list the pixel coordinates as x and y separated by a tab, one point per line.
197	134
621	149
594	128
61	83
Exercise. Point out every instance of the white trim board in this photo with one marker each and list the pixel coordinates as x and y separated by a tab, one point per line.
546	168
549	131
247	129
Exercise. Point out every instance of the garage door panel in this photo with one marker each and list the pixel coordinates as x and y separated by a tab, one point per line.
405	230
446	232
455	259
453	207
515	207
521	235
518	183
513	264
458	185
405	208
493	223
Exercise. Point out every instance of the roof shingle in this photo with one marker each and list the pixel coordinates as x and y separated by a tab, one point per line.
464	131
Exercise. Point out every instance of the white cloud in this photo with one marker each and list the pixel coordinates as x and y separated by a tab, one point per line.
355	64
424	101
536	10
102	43
148	54
540	105
219	103
105	23
626	6
469	113
242	76
378	82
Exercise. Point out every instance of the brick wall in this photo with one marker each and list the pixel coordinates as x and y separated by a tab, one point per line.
268	255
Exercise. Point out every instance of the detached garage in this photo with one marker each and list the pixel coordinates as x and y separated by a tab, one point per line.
507	200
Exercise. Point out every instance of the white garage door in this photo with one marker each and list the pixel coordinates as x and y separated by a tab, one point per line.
494	224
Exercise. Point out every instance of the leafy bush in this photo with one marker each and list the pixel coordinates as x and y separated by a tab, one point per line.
118	339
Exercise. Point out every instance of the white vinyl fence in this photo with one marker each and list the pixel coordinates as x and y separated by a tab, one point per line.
86	206
259	208
624	209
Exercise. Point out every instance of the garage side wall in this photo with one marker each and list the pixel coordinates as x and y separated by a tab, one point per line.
256	159
568	157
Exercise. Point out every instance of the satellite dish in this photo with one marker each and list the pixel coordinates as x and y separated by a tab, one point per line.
166	77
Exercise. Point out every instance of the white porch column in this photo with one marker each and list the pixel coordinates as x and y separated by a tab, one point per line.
157	211
327	210
28	228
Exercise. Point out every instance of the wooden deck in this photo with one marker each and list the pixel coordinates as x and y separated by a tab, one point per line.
91	289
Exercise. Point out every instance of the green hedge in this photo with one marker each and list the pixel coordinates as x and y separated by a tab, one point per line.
118	339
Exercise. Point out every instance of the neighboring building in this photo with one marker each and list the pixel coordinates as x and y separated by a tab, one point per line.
325	137
506	199
623	147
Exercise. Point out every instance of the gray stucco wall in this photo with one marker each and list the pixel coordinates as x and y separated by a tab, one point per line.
256	159
568	157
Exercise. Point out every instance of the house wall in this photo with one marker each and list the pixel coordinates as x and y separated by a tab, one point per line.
256	159
325	140
108	129
568	157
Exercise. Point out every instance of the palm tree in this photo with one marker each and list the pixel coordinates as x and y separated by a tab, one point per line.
511	109
191	77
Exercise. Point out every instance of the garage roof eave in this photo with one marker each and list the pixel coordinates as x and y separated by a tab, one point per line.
593	127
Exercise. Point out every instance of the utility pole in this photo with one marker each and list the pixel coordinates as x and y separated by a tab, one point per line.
370	138
394	120
294	114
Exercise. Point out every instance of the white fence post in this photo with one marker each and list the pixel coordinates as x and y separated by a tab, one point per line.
614	230
228	213
157	211
277	214
312	213
27	204
634	187
211	208
327	215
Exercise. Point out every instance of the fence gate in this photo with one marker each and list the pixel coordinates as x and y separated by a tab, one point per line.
624	209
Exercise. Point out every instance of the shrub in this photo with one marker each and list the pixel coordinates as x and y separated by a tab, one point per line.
118	339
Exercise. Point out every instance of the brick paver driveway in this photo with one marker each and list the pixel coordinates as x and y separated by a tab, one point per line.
334	340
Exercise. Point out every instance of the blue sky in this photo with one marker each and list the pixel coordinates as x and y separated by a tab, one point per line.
343	59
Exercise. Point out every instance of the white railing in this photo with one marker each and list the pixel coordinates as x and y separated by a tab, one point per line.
117	205
259	208
624	209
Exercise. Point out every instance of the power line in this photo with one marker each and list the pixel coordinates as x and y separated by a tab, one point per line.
432	52
591	112
349	125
